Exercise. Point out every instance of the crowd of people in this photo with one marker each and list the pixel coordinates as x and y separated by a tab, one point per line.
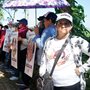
50	35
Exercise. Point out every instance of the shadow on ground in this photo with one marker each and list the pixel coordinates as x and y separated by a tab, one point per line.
5	83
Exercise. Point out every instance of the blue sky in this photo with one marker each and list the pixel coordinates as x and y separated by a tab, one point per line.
86	5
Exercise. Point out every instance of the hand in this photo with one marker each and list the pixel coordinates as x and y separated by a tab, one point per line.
19	39
77	71
36	30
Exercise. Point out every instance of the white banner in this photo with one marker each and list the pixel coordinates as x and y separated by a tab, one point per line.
30	57
14	49
6	45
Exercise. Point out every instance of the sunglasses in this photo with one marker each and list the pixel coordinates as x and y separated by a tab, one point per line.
65	23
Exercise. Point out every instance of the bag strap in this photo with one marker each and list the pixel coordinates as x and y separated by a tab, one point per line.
59	54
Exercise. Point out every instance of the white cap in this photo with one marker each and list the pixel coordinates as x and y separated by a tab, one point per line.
65	16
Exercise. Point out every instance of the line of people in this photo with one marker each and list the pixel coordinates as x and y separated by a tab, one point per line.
49	36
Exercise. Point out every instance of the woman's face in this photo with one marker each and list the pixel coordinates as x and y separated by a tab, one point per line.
47	22
63	27
20	25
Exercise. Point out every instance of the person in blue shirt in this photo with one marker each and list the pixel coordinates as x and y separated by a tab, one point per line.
49	31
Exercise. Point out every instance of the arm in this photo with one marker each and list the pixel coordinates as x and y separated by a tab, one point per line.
85	49
44	59
85	46
49	32
42	68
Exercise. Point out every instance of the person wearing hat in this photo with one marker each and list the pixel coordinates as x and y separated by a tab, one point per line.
23	36
23	33
69	68
49	30
40	27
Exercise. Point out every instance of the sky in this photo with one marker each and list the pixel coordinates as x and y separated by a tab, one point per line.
86	5
32	16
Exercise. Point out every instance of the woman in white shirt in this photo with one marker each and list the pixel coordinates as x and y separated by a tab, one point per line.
66	73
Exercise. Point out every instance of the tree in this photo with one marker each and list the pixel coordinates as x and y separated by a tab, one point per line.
77	11
1	11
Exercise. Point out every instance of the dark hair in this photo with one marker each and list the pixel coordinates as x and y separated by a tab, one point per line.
1	25
52	19
6	26
41	28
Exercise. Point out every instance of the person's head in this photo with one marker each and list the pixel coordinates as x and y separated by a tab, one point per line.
5	27
49	18
64	24
22	22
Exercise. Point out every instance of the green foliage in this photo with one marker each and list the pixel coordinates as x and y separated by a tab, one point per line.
1	1
1	11
77	11
1	14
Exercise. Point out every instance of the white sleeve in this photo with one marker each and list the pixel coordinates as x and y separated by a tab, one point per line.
42	68
85	49
43	65
85	46
29	36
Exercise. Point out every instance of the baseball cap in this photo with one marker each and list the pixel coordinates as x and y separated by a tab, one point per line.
23	21
41	18
65	16
48	15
